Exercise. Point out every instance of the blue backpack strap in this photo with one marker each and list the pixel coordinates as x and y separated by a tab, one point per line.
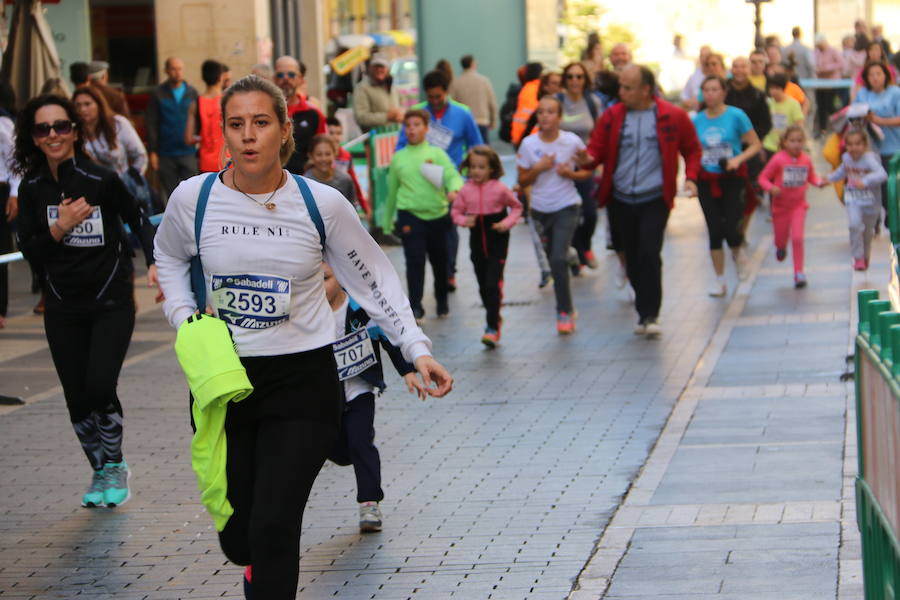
198	281
312	209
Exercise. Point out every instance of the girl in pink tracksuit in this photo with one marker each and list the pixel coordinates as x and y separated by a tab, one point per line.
786	177
481	206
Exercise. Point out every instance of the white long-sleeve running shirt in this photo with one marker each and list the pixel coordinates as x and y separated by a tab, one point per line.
263	268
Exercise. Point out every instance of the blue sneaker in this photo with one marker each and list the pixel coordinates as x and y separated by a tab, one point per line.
94	496
116	491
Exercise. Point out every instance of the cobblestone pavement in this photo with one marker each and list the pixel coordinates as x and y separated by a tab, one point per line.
504	488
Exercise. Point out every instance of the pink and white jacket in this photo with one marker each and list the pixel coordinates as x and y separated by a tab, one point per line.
791	175
488	198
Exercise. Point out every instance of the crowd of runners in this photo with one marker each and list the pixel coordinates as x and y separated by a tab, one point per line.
268	269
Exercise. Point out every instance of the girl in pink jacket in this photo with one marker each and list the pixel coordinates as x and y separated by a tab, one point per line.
786	177
481	206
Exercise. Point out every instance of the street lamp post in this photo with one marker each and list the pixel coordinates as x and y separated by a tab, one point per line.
757	22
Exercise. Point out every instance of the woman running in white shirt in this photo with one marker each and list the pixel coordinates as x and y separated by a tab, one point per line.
257	235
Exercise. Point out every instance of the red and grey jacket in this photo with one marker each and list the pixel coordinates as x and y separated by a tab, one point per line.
676	135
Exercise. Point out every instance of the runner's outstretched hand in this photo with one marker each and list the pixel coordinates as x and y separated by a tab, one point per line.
432	372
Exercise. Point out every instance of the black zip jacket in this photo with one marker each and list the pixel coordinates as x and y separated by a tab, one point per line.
82	270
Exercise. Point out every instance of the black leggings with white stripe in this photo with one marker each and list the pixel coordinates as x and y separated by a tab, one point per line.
88	349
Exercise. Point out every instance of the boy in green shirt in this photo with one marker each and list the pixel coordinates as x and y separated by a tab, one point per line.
785	112
422	181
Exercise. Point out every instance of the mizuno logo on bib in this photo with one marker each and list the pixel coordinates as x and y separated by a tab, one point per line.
251	301
353	354
87	234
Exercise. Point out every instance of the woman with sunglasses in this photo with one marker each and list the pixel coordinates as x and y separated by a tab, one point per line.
258	228
581	107
70	228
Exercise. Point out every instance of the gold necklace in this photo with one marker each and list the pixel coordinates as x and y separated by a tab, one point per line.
268	201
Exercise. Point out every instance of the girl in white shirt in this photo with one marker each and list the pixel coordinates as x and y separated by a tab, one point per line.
262	257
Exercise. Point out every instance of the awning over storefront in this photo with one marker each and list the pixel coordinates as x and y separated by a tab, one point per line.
31	58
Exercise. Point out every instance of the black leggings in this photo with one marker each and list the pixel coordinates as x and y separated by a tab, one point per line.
723	214
277	441
487	249
88	348
6	246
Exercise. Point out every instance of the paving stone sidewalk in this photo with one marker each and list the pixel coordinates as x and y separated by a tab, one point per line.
749	493
501	490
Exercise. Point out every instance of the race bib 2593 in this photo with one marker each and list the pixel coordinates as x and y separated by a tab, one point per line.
251	301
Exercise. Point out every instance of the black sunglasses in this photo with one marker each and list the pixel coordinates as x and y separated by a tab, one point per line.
61	127
288	74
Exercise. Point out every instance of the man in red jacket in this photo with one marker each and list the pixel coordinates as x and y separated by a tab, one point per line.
638	142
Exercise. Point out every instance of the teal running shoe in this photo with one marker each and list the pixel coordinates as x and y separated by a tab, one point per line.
94	496
116	492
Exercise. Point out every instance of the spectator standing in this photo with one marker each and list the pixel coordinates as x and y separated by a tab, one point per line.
9	188
854	59
204	124
829	65
307	120
475	91
861	37
98	72
878	36
620	57
375	102
800	55
639	180
165	122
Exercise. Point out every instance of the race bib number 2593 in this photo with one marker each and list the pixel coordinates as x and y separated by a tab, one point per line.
251	301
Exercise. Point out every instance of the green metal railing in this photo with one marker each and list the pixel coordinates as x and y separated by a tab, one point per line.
893	215
877	362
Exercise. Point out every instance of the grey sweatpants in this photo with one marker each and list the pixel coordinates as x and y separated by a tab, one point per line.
861	221
557	229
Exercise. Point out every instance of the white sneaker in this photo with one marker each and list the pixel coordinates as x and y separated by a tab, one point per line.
369	517
640	329
652	328
719	288
741	265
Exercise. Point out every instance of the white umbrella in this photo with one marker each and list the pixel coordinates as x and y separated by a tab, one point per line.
30	58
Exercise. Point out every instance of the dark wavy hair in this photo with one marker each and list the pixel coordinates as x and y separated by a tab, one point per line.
28	157
888	78
106	124
490	154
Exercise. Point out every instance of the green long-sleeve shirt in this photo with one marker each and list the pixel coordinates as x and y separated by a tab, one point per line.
409	190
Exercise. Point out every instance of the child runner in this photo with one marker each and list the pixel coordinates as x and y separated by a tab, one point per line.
481	206
862	195
785	112
785	177
361	375
421	180
344	162
322	154
546	160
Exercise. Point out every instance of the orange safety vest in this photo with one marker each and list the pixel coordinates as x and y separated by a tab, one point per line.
528	103
212	142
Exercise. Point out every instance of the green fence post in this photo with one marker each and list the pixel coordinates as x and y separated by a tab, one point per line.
893	217
876	307
895	349
885	321
863	297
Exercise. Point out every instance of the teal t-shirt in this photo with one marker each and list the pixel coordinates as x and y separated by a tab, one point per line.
721	136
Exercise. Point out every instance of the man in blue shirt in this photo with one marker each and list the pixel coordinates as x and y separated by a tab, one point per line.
165	122
452	129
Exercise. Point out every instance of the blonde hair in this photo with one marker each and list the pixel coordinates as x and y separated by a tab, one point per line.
254	83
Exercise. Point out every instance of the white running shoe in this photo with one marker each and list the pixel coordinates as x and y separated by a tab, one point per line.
719	288
652	329
369	517
640	328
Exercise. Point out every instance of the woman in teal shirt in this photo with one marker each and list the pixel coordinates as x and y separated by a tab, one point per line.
883	98
723	131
